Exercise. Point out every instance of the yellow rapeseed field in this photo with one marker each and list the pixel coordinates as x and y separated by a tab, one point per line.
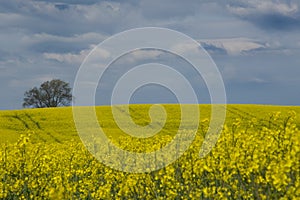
256	157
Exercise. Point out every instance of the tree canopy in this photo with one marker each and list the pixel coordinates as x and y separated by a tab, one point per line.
52	93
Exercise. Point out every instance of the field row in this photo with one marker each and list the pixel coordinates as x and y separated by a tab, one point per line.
253	159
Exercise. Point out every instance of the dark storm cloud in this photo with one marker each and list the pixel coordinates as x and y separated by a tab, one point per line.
212	49
46	39
62	19
69	2
269	14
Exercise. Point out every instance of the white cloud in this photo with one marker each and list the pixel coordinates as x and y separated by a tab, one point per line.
81	38
7	19
185	47
30	82
266	6
235	46
258	80
63	30
140	55
68	57
78	58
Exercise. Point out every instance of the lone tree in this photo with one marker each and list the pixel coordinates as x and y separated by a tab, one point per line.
52	93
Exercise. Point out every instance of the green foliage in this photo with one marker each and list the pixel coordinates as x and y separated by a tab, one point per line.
52	93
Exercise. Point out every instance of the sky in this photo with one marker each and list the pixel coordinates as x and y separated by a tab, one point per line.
255	45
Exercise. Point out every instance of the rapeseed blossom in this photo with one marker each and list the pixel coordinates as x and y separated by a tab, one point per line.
250	161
